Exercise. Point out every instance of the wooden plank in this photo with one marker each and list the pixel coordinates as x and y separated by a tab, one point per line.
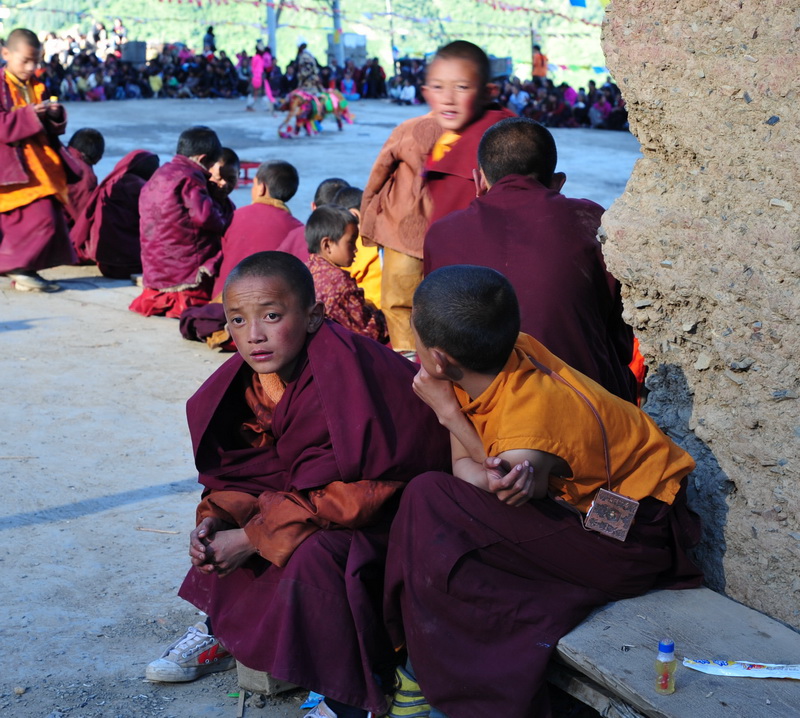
589	693
260	682
617	645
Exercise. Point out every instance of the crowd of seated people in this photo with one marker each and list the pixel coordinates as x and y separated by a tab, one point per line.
89	67
562	105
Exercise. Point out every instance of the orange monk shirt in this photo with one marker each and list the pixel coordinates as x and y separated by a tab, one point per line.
524	408
45	172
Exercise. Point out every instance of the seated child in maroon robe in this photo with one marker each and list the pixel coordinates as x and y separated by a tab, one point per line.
488	567
260	227
183	217
366	269
107	230
303	441
295	242
331	234
87	147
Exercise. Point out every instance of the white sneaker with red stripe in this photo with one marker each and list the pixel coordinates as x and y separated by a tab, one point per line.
193	655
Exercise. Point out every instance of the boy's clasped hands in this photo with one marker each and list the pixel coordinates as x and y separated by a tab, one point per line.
216	546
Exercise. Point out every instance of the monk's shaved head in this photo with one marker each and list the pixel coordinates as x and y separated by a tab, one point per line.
518	146
266	265
469	312
20	37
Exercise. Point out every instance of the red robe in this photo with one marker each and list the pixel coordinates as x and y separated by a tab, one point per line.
481	592
259	227
107	231
449	181
33	236
80	191
344	300
347	427
546	245
295	243
181	227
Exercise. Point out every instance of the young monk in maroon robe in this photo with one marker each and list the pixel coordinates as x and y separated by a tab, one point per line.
260	227
546	244
86	147
107	231
183	216
490	566
304	441
34	170
399	204
456	88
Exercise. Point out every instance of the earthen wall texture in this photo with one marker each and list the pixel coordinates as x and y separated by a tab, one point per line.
706	242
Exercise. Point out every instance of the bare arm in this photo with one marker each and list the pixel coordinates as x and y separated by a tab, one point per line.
515	476
439	395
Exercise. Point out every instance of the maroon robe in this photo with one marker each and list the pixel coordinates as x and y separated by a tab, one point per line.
80	191
349	416
295	243
450	180
107	231
259	227
481	592
34	236
181	226
546	245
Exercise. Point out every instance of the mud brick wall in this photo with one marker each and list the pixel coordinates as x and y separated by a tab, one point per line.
706	242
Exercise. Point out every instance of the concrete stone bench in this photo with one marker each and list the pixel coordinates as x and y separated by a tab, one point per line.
608	661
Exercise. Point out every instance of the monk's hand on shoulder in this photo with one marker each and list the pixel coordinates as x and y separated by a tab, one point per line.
513	485
438	394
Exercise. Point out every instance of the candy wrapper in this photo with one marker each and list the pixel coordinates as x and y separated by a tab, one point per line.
743	669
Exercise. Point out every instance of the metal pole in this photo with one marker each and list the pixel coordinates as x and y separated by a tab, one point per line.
390	13
272	28
338	45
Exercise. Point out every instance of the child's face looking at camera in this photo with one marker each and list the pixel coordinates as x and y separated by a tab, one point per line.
454	92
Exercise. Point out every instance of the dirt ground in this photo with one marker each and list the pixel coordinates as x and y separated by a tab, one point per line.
94	450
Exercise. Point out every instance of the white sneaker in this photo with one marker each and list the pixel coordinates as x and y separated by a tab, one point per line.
28	281
191	656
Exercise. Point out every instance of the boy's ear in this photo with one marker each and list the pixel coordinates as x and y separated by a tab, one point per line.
356	213
260	190
315	317
559	178
325	244
426	94
481	185
201	160
446	366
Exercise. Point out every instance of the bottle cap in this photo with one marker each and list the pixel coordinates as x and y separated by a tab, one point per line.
666	645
